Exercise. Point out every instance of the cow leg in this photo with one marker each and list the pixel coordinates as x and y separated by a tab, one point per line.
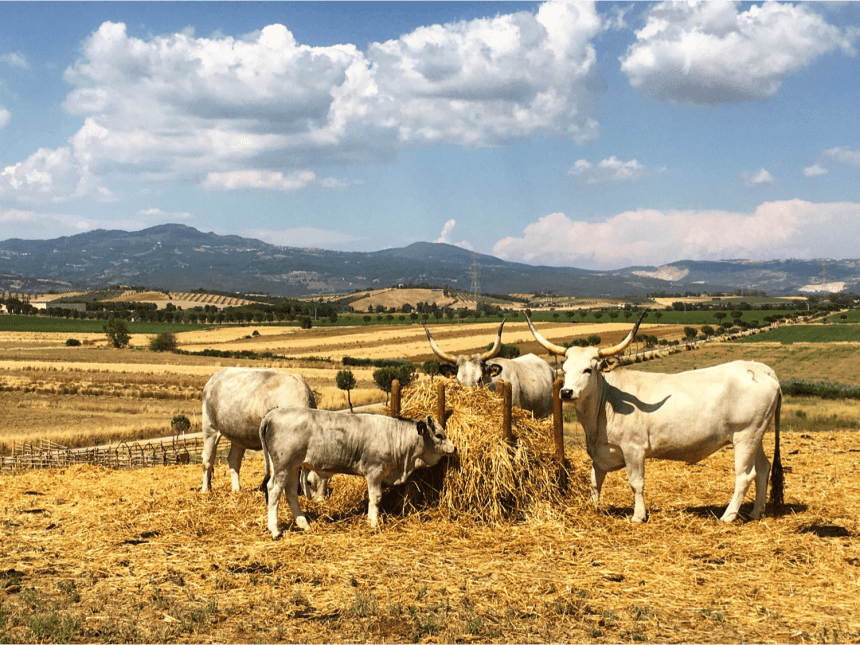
636	476
374	494
292	488
745	472
210	445
762	471
275	488
597	477
234	460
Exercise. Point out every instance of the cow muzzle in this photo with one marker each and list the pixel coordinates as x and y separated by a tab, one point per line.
566	394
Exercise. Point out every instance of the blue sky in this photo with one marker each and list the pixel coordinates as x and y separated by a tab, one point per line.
596	135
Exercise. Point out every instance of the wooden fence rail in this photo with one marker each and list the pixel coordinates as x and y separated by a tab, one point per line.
47	454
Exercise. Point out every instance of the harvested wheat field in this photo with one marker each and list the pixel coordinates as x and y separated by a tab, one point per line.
486	549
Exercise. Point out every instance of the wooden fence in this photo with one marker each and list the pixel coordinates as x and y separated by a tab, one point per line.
47	454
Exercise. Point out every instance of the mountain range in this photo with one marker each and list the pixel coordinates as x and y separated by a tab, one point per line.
181	258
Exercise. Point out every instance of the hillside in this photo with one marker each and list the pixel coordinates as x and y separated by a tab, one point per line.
174	257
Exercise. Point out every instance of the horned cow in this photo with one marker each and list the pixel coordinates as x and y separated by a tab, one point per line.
530	376
631	416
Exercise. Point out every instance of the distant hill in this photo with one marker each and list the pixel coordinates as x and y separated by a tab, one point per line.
180	258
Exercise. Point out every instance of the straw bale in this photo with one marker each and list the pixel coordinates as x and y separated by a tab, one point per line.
488	480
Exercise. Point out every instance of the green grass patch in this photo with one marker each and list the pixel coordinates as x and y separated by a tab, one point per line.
819	389
807	334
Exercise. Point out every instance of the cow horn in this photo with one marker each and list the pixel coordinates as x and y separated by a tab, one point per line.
551	348
620	347
497	347
445	357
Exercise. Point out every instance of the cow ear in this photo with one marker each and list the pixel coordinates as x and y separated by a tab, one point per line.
422	428
448	370
494	370
608	364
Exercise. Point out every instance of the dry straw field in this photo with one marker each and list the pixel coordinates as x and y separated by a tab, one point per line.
487	548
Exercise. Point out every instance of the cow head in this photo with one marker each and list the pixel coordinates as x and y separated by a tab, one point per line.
582	365
473	370
436	443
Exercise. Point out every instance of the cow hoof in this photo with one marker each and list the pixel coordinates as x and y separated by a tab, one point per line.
302	523
637	520
276	536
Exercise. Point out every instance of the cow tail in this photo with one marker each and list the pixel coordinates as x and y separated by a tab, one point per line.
777	476
264	431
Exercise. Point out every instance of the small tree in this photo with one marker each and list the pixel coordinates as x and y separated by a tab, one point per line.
346	381
385	375
117	331
164	342
180	424
305	322
431	368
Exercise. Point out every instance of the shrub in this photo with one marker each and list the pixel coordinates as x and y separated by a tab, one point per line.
117	331
180	424
306	322
507	350
385	375
73	342
164	342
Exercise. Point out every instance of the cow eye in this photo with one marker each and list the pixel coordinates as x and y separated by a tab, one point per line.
440	437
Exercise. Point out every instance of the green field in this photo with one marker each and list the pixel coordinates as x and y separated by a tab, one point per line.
807	334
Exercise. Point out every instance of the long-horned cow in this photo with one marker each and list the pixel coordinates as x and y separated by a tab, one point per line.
383	449
530	377
234	402
630	416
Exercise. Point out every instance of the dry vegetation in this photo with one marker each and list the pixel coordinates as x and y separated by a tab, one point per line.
486	551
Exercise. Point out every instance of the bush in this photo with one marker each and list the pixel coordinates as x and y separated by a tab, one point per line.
164	342
306	322
117	331
180	424
73	342
385	375
506	350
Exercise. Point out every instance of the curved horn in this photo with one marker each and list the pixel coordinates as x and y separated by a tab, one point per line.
620	347
551	348
445	357
497	347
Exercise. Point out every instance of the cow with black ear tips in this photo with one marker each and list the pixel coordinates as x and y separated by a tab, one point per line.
381	449
530	377
631	416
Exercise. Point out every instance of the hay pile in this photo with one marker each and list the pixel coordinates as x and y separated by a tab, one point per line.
488	481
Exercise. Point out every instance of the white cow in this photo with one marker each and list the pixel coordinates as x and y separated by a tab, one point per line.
234	402
530	377
631	416
384	450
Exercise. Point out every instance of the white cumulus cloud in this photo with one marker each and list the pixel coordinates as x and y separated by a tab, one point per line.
259	179
815	170
714	52
446	237
607	170
15	59
757	177
786	229
844	155
264	108
5	117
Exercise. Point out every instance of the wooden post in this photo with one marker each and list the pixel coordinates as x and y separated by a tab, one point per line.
440	403
395	398
558	420
507	432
